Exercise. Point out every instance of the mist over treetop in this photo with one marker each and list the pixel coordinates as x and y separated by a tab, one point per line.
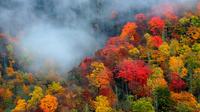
100	55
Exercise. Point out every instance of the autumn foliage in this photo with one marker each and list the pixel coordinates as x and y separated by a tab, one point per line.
129	30
134	71
48	103
151	64
156	25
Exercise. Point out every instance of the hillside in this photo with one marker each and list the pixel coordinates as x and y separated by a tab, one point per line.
153	65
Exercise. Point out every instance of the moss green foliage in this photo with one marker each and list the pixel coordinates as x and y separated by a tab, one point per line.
142	105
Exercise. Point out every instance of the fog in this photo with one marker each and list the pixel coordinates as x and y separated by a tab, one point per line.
63	30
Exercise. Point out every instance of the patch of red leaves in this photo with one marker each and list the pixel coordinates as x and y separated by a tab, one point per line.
176	84
156	25
134	71
156	41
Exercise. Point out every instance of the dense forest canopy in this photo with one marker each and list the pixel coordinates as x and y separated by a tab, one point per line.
99	56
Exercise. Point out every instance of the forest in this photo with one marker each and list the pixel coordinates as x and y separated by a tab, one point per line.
152	64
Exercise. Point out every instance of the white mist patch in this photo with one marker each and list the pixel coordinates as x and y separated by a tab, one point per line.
64	46
62	30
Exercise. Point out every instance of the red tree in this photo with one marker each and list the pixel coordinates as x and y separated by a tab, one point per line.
156	25
134	71
156	41
176	84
